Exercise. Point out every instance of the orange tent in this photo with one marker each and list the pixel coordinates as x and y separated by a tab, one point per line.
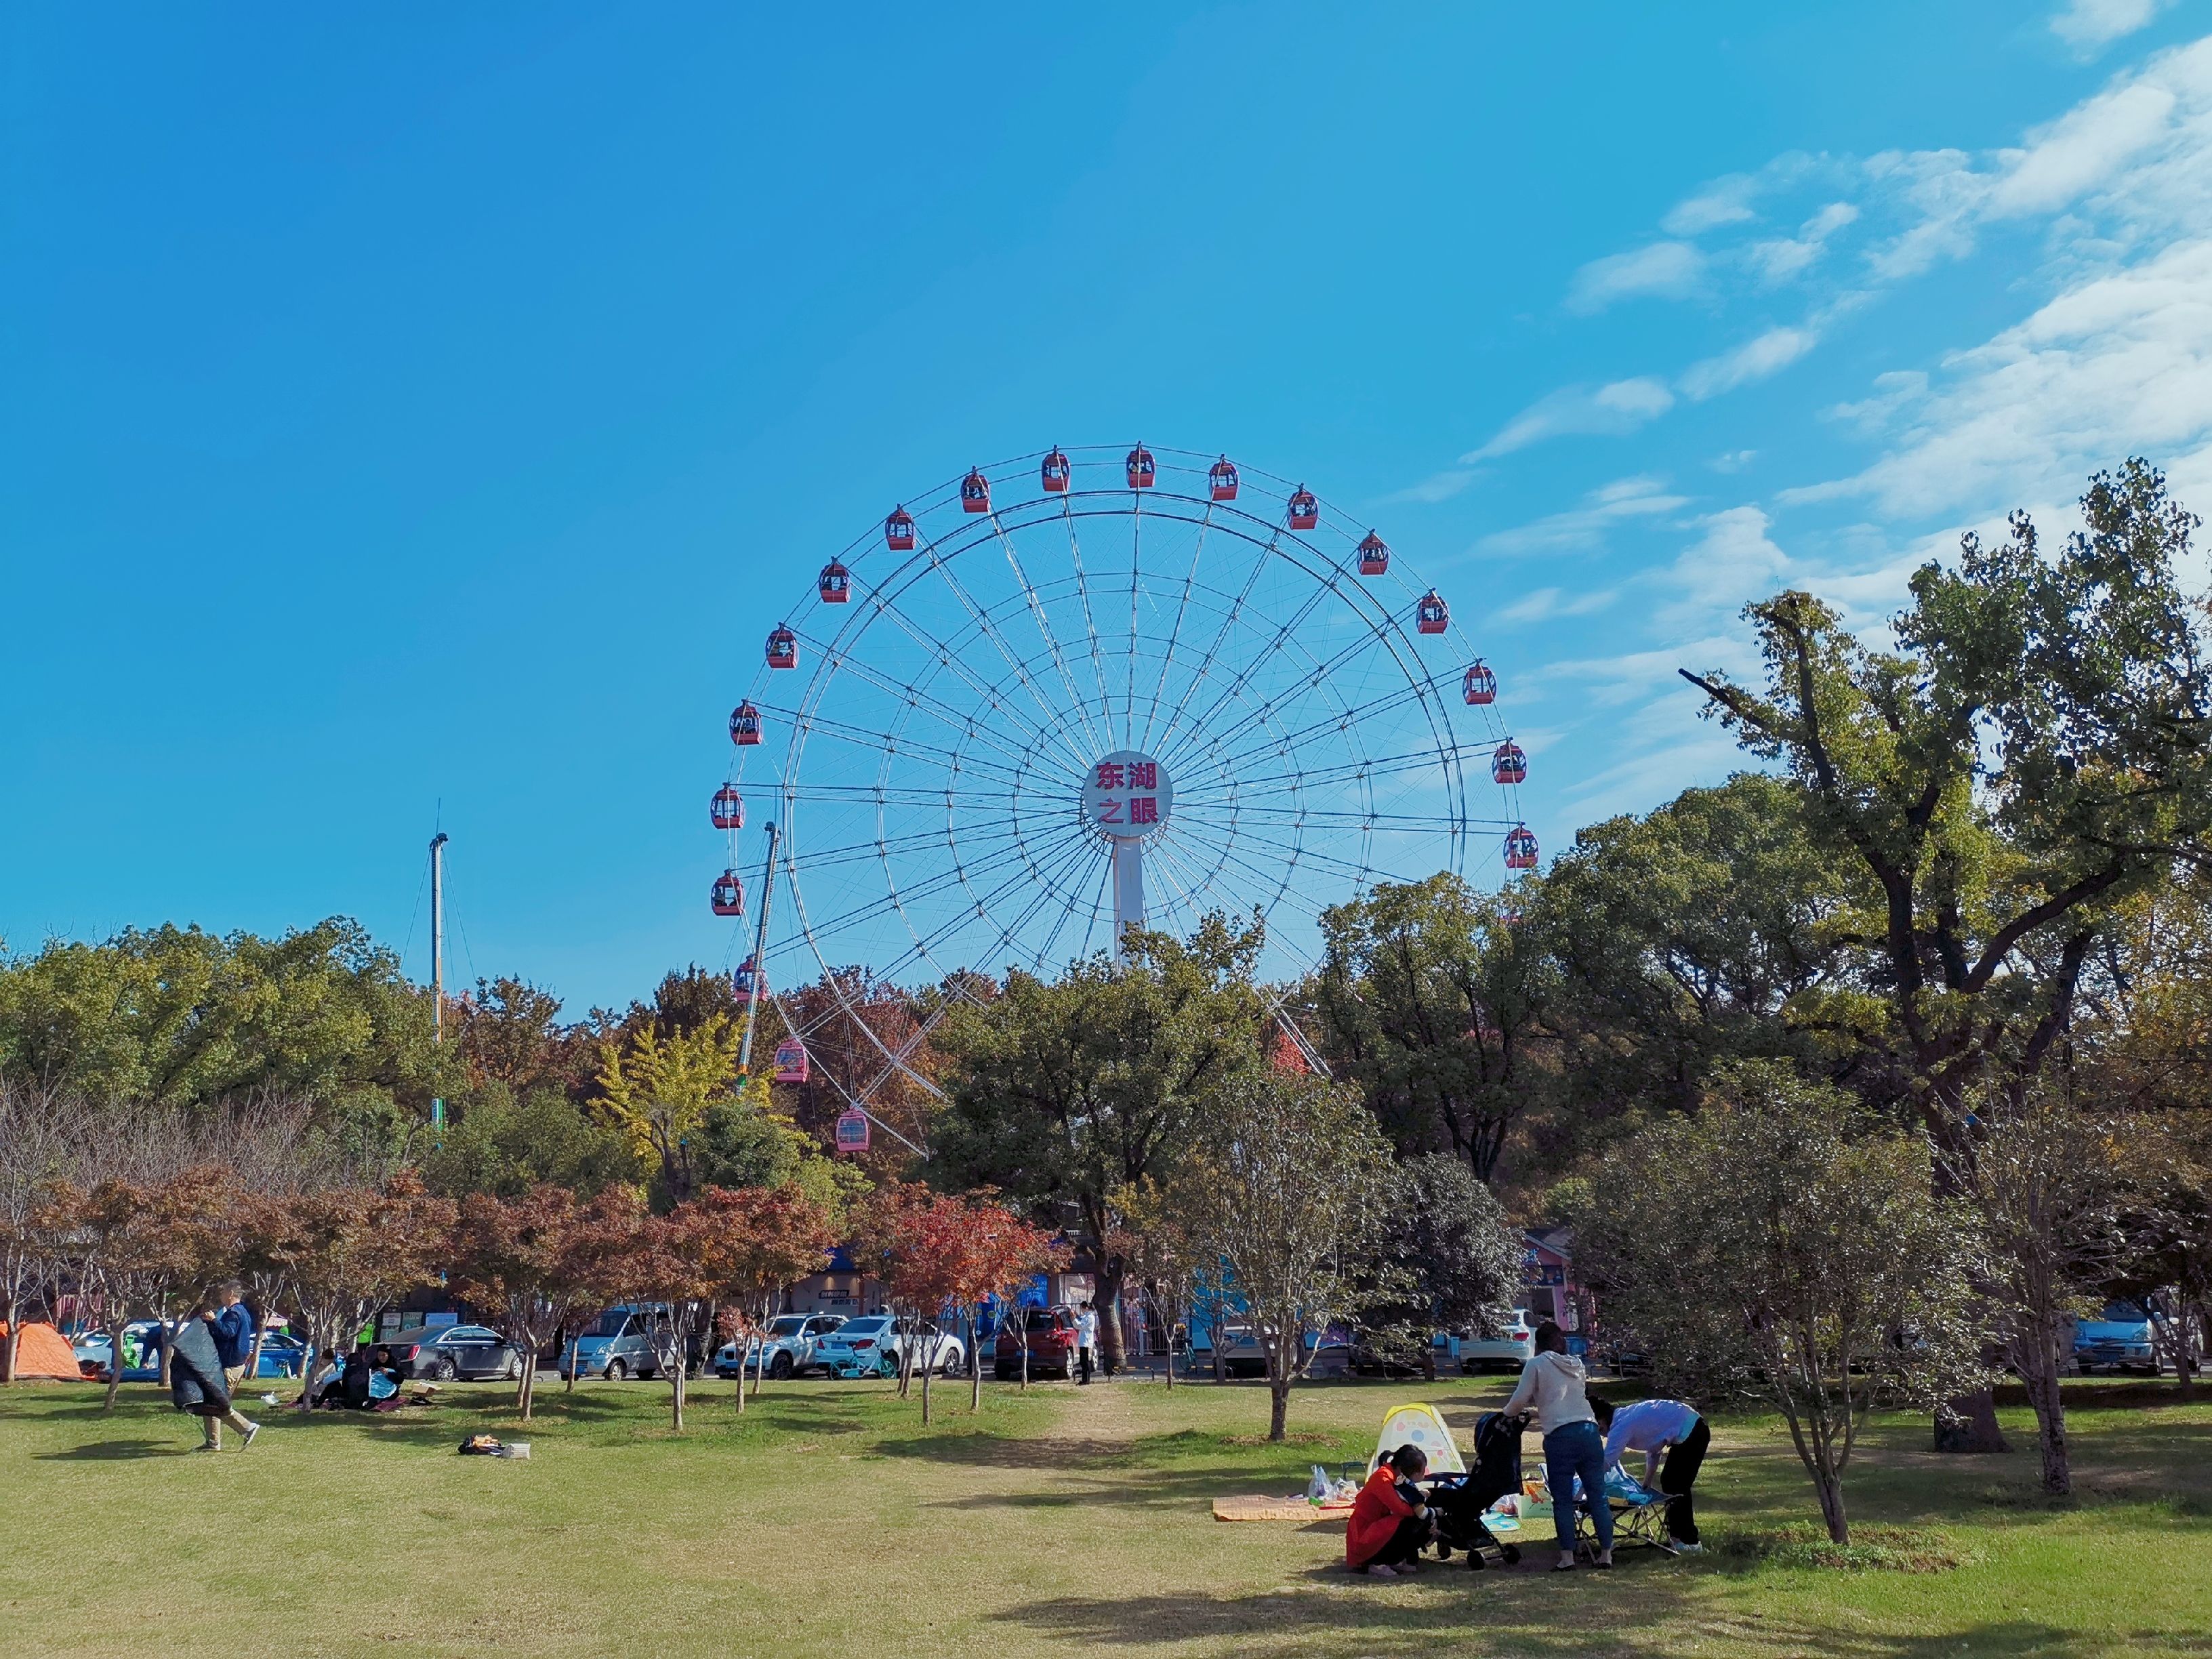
44	1356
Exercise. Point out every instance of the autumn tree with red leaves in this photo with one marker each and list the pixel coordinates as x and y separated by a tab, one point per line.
757	1240
541	1258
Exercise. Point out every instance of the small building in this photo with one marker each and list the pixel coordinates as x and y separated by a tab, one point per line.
1549	1289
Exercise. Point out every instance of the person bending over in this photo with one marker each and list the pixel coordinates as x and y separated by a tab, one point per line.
1552	1382
1654	1426
1386	1531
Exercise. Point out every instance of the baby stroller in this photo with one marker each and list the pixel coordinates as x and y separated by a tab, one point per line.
1457	1501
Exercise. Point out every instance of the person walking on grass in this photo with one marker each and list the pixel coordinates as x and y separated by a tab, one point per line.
1387	1529
1086	1341
1552	1382
196	1379
233	1336
1654	1426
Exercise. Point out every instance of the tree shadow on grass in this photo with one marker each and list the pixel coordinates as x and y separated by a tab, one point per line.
1334	1615
109	1451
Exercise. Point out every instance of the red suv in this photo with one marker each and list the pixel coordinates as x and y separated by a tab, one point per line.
1050	1334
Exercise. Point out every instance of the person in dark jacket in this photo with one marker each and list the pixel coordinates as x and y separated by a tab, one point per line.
195	1381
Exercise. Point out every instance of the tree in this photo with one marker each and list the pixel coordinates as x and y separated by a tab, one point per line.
2043	1182
1063	1092
156	1242
502	1146
541	1257
1431	1002
758	1240
1783	1245
1451	1260
658	1091
1292	1182
34	1155
347	1253
2036	754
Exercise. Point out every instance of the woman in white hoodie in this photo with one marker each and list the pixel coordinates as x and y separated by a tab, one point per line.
1551	1382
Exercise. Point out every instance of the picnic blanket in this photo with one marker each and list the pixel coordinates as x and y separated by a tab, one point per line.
1258	1506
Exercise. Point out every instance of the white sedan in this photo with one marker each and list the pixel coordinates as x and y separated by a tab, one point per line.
871	1346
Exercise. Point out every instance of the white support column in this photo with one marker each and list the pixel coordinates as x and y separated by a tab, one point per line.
1128	887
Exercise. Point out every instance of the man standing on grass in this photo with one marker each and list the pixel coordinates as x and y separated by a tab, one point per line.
233	1336
1086	1340
1654	1426
196	1383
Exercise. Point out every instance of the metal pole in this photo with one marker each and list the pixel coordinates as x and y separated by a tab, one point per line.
438	935
1128	889
759	949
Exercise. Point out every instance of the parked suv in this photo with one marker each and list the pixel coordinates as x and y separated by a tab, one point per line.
625	1341
786	1349
1509	1350
1049	1335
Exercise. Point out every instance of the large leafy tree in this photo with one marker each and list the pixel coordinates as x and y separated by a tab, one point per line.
1431	1001
1065	1092
657	1092
2035	753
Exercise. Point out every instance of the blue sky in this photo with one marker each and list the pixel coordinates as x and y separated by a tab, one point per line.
415	416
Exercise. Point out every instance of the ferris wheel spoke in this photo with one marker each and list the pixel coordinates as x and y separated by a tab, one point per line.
1409	691
1089	620
921	950
1260	657
1221	635
876	742
922	702
1055	719
952	662
911	840
1374	766
1075	698
1175	633
894	901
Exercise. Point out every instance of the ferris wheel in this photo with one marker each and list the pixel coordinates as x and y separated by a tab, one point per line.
1087	690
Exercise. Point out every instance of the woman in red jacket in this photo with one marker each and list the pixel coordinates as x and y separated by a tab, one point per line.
1387	1529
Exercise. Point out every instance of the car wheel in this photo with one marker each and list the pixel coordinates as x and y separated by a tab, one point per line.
617	1371
780	1367
442	1371
514	1371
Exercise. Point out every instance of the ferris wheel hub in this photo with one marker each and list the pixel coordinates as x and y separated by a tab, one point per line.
1127	796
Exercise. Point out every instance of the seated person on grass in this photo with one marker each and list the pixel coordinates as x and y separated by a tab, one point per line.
1386	1531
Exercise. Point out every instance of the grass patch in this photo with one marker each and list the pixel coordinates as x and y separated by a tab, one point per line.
1872	1549
827	1521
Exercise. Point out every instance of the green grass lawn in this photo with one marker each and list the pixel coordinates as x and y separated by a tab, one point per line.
826	1520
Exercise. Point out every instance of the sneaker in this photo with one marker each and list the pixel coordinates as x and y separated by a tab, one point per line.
1407	1569
1681	1548
207	1445
1379	1570
245	1440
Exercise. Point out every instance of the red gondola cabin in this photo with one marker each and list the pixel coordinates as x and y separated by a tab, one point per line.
835	584
1373	556
1510	764
728	894
1481	685
791	1060
782	648
728	810
1305	511
1054	471
745	725
1430	616
976	491
746	983
1221	480
1520	848
898	531
1142	472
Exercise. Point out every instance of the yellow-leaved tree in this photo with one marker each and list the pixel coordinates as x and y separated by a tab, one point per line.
657	1092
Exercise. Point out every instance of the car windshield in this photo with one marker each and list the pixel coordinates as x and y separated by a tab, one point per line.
2122	1313
1040	1319
864	1328
786	1327
610	1324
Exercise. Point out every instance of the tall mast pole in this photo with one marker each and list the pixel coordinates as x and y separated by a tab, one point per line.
759	949
438	937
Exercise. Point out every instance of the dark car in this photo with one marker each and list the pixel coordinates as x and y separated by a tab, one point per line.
464	1351
1049	1333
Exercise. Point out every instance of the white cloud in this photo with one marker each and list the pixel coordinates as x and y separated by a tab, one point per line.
1733	460
2083	149
1436	487
1723	202
2087	25
1585	527
1665	270
1733	563
1892	391
1781	259
1546	603
1755	359
2119	364
1617	407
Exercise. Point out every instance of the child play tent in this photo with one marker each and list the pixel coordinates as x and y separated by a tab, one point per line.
1418	1424
43	1356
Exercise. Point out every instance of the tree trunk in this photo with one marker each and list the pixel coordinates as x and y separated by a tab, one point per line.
975	1368
1106	1302
1830	1490
525	1386
168	1338
15	1343
1022	1332
1971	1426
1279	1405
928	1369
2038	1375
676	1389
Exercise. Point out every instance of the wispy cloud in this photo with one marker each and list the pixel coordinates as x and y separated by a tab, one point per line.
1616	407
1664	270
1436	487
2090	26
1585	527
1546	603
1785	258
1755	359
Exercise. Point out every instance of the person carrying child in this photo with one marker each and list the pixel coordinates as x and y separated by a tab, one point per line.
1552	1382
1387	1529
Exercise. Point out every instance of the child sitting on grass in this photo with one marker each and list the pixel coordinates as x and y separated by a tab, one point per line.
1387	1531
